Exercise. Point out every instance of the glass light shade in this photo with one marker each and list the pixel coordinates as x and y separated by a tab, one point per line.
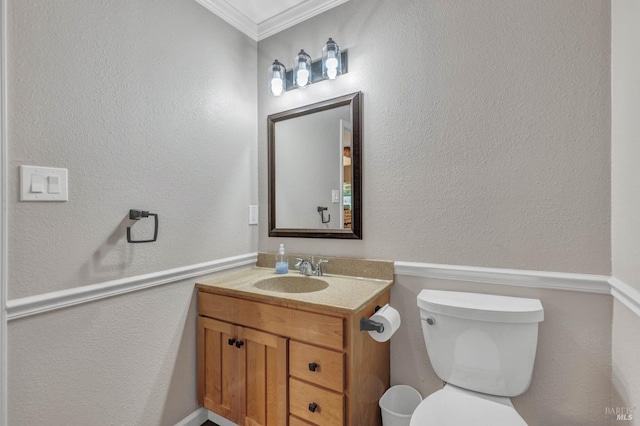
302	71
276	78
331	60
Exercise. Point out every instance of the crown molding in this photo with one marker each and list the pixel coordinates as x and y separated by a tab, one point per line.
295	15
261	30
230	14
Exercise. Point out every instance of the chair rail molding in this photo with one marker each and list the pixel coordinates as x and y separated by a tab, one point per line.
625	294
513	277
33	305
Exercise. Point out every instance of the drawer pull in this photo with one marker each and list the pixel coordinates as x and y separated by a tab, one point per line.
313	366
313	407
231	342
239	344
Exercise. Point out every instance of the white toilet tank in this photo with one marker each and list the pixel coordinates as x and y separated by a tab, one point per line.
481	342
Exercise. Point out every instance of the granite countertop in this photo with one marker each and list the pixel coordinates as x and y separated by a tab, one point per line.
345	294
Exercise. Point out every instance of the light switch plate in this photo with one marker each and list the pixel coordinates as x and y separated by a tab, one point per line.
335	196
45	181
253	215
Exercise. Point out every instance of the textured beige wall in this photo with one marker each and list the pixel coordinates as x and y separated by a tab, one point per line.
625	140
150	104
571	383
486	129
497	104
127	360
625	197
625	355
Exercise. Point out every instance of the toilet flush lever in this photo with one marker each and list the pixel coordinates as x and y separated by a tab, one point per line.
430	320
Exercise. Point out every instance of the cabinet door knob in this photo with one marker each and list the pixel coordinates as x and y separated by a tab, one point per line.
313	407
231	342
239	344
313	366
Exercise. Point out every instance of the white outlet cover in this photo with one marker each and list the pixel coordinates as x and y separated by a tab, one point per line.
42	175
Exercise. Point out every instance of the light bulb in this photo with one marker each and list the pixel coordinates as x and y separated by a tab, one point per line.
331	59
302	76
332	66
276	78
302	70
276	86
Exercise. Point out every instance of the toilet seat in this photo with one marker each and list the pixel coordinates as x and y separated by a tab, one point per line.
454	406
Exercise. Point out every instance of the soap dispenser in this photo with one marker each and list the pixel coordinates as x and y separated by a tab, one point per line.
282	266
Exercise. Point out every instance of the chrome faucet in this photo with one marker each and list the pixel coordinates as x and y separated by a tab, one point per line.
307	268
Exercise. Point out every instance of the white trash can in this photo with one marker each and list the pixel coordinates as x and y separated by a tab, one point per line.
398	404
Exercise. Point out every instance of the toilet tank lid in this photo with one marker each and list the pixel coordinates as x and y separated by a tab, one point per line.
482	307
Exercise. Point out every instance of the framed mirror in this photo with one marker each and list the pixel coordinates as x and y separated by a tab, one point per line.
315	171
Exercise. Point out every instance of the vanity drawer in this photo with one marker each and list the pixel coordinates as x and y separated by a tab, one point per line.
294	421
322	367
319	329
316	405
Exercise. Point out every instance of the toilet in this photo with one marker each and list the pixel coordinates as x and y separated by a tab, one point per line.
483	347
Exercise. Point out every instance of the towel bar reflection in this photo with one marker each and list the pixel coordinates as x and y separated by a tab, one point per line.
321	210
137	215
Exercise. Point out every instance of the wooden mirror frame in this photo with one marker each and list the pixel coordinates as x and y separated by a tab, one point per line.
353	101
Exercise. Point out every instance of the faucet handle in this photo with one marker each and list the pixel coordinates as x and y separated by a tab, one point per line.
304	266
319	266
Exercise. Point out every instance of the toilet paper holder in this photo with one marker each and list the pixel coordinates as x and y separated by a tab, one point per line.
367	324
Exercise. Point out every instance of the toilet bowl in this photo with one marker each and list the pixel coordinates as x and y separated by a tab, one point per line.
483	347
454	406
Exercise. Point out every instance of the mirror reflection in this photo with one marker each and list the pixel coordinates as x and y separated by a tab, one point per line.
314	170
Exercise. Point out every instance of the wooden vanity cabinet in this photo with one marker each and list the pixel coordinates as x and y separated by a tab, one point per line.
262	364
245	371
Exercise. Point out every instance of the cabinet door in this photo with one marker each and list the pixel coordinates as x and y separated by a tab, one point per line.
220	378
266	391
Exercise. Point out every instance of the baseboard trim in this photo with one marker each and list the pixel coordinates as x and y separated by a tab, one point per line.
33	305
514	277
625	294
196	418
219	420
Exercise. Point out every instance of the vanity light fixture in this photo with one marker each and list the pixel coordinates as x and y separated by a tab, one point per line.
277	78
305	72
331	60
302	73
